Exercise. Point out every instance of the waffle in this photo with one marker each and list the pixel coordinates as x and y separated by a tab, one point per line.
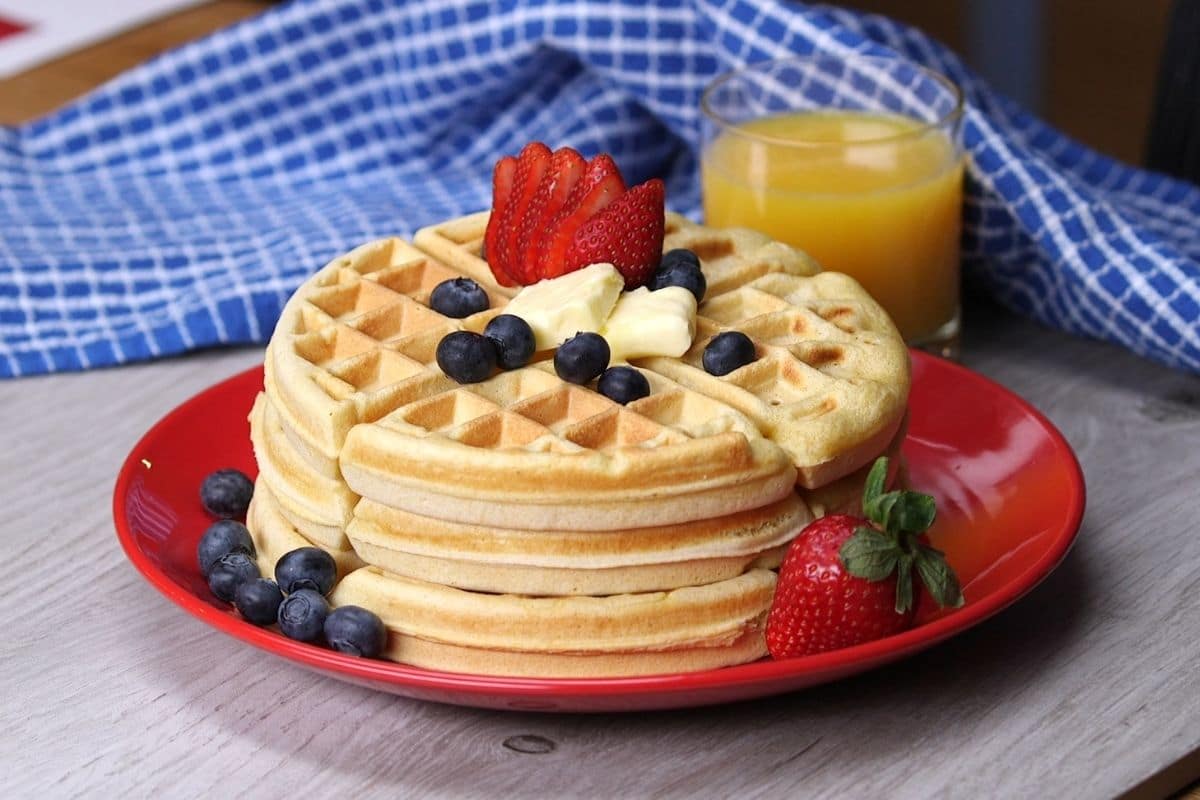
352	380
830	384
845	495
432	625
525	525
695	627
749	646
318	506
274	535
549	562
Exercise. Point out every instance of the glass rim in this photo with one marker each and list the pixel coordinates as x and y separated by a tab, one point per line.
954	114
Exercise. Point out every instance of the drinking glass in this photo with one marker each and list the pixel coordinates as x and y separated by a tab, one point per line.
858	162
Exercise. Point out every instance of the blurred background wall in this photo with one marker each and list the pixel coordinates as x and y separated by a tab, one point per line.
1087	66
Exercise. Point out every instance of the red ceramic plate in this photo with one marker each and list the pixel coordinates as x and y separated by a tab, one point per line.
1009	490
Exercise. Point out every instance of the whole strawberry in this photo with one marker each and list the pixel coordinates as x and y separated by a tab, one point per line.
847	580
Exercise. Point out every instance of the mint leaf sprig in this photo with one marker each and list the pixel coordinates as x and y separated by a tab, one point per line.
891	545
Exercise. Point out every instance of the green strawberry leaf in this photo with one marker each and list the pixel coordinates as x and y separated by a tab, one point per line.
904	591
912	513
937	576
874	554
876	479
879	508
870	554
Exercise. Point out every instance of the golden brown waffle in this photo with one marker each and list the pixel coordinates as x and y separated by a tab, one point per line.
549	562
845	495
749	646
702	626
319	506
699	626
831	381
274	535
528	450
694	627
352	381
525	495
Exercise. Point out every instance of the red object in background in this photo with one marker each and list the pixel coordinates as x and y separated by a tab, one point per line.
9	28
1010	499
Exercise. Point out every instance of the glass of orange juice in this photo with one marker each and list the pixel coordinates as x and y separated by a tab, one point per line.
856	161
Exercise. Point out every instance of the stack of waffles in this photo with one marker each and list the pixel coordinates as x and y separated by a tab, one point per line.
528	526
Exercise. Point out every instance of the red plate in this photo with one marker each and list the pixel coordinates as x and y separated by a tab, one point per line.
1009	490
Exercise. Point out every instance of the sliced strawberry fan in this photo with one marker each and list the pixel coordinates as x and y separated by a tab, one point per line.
532	165
502	185
553	213
551	196
601	185
627	234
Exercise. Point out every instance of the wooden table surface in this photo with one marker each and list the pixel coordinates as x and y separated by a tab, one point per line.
1088	687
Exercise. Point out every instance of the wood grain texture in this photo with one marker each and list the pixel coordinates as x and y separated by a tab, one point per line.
1086	688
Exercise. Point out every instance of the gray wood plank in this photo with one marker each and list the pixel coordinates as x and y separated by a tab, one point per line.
1085	688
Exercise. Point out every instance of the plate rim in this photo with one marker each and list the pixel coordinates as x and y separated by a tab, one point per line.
763	671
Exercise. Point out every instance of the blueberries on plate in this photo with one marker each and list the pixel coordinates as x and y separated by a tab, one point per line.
354	630
222	538
306	568
513	339
229	572
226	493
680	268
623	384
582	357
466	357
302	615
727	351
458	298
258	601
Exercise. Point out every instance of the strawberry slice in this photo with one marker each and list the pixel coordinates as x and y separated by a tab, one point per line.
502	184
566	168
600	185
628	234
532	164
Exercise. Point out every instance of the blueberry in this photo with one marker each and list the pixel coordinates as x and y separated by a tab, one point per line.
582	357
306	568
354	630
302	615
623	384
226	493
222	538
230	572
513	339
458	298
679	272
679	256
727	351
466	357
258	601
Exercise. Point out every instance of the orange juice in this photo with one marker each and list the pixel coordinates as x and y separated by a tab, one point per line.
876	196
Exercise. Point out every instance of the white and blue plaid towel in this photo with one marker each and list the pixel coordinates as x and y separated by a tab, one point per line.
178	206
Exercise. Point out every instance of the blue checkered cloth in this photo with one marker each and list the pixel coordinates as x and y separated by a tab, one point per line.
178	206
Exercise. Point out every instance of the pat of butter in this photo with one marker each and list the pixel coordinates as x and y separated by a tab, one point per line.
558	308
646	323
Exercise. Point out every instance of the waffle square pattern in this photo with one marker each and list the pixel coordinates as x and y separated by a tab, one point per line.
525	525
